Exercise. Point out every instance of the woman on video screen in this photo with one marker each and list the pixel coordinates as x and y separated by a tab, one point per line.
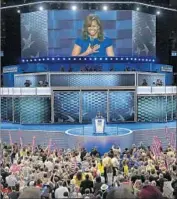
93	42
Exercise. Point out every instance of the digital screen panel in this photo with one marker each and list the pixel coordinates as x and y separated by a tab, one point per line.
92	33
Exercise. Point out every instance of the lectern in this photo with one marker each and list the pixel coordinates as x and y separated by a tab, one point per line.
99	125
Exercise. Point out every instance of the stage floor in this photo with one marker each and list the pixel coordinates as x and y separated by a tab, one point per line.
64	127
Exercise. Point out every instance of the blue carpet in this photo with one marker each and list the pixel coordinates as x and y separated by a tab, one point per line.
64	127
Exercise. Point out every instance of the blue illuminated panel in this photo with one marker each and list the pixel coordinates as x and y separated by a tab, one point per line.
66	106
32	110
153	109
92	103
6	109
92	79
121	106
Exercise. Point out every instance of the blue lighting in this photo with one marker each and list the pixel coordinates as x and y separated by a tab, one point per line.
96	59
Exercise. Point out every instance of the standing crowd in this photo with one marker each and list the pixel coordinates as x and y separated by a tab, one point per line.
52	174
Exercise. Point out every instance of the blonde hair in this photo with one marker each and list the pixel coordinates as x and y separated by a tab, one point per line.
87	23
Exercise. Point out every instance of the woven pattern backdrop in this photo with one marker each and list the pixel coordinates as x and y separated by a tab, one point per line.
66	107
156	108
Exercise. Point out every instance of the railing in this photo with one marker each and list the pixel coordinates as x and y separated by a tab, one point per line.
156	90
41	91
25	91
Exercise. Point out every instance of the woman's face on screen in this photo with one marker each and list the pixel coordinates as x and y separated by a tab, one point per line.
93	29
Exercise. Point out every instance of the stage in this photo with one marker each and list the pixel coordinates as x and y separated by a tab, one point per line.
73	136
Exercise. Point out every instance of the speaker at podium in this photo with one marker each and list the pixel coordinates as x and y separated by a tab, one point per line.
99	124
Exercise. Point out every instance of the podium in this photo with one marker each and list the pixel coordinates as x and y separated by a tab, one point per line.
99	125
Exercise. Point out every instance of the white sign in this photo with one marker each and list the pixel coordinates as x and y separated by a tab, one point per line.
167	69
99	124
11	69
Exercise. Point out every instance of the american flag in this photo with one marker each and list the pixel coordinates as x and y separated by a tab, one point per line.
171	137
21	142
10	139
33	143
156	146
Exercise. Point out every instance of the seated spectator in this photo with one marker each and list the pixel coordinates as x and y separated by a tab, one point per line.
144	82
27	83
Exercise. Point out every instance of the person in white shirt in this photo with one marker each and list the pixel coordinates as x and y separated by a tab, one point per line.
11	180
49	164
115	164
59	192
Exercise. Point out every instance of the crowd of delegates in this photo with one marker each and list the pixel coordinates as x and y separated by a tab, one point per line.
35	172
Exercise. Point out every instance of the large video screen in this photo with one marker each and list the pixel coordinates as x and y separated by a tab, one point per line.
88	33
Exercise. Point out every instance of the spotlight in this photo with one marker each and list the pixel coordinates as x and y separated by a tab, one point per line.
137	9
158	12
105	8
41	8
18	11
74	7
